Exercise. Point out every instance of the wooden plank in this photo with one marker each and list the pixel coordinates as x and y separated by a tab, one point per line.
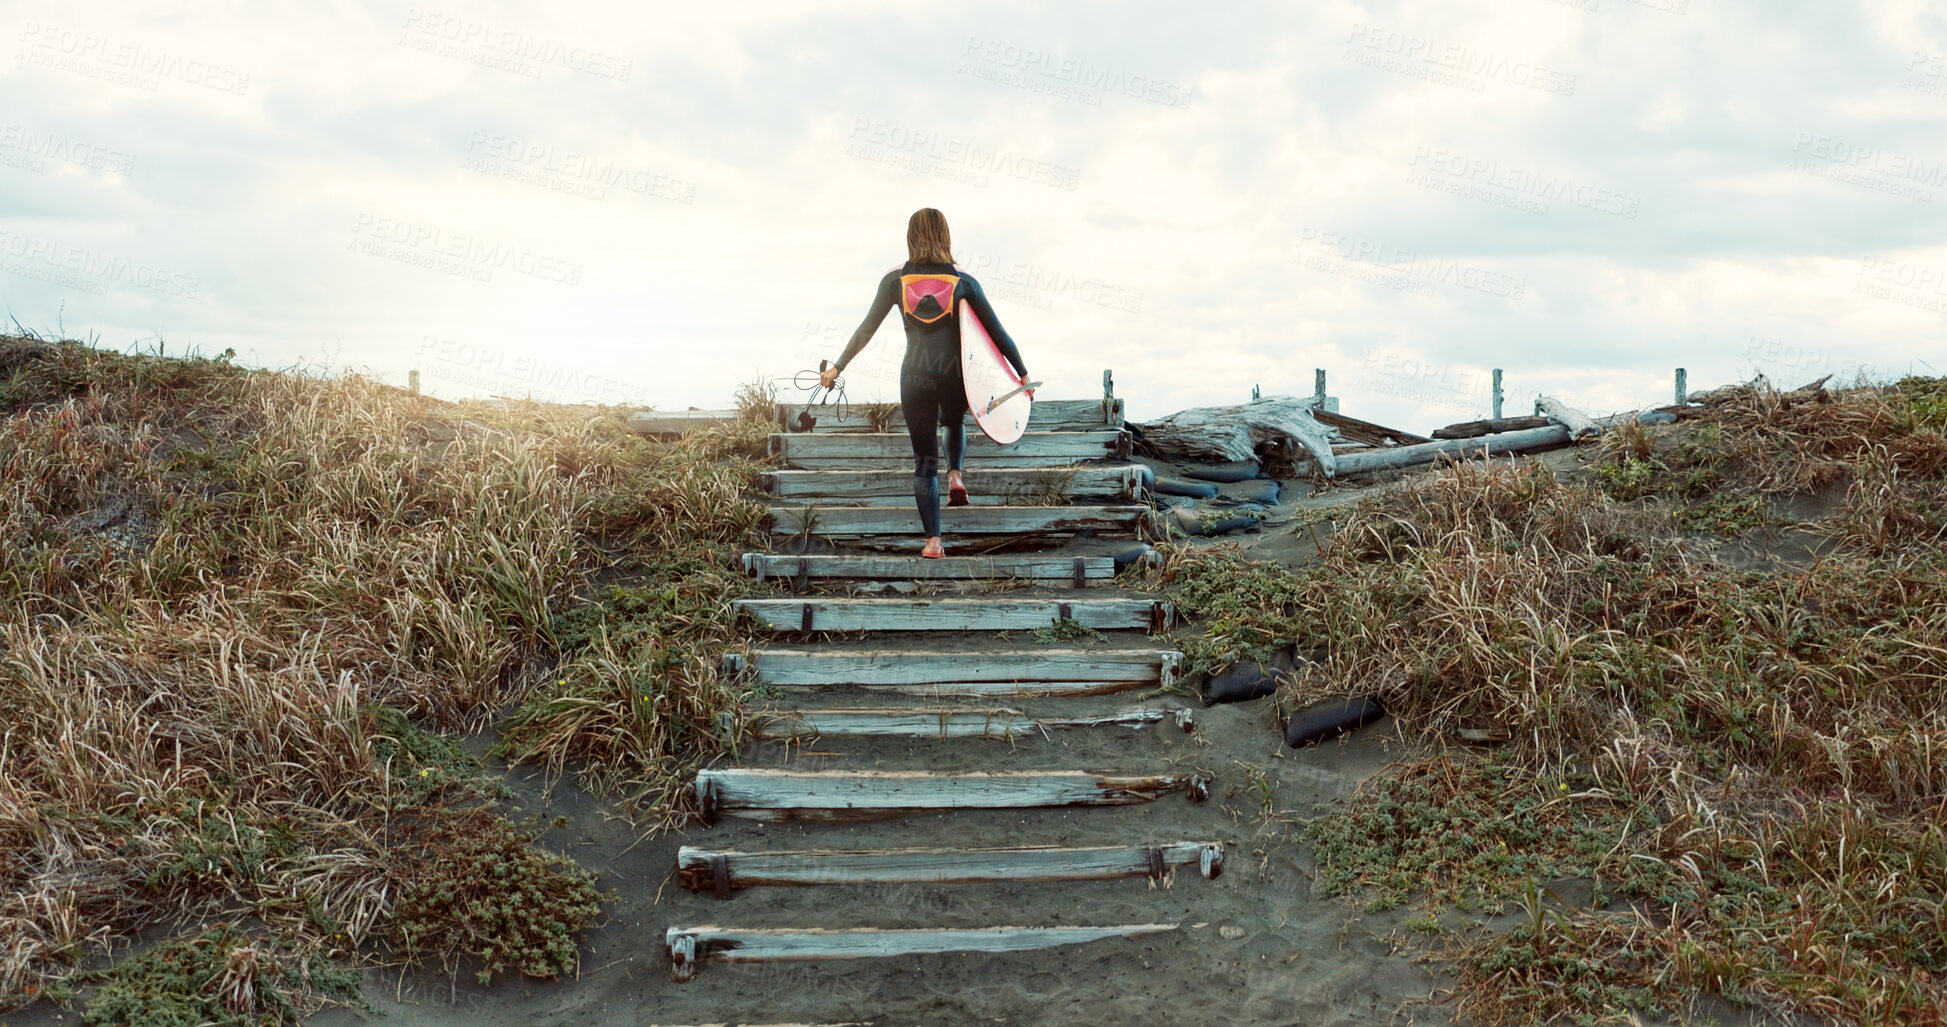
840	795
696	868
1486	445
794	1023
876	667
975	462
689	947
980	614
948	723
1085	481
852	521
675	422
970	545
872	449
915	568
1048	415
1008	690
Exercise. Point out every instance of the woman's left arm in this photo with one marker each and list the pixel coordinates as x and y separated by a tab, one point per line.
978	297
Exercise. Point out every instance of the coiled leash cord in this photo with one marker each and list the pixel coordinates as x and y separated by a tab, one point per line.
821	397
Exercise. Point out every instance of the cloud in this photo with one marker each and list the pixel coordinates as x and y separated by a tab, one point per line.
658	202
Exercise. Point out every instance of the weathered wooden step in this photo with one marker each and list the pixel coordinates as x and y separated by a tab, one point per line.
1005	669
676	422
723	871
1077	571
816	450
839	795
999	613
1048	415
950	723
688	947
1084	481
848	522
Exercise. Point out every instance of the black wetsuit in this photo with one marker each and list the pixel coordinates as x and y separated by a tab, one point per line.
931	391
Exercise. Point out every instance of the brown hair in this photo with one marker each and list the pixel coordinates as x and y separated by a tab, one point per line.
927	241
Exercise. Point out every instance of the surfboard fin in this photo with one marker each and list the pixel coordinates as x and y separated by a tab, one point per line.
998	400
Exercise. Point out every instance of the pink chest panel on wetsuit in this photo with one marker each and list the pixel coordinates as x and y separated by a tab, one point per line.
927	298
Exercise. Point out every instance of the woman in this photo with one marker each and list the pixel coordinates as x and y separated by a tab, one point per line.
931	392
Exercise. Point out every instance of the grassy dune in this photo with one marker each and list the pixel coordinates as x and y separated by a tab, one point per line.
249	618
1748	766
237	610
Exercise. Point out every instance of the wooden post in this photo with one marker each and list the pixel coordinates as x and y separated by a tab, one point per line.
1497	393
1108	396
1683	386
1318	387
1254	394
412	382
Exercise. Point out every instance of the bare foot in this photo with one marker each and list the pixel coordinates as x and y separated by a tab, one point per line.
933	548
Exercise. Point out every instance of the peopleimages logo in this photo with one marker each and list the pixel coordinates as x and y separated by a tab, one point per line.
124	62
974	157
542	164
59	263
1448	166
471	256
1410	264
514	44
73	151
1477	64
1081	74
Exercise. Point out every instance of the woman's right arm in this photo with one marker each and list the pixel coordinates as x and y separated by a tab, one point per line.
881	305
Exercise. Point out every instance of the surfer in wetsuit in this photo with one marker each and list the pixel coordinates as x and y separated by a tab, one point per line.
931	390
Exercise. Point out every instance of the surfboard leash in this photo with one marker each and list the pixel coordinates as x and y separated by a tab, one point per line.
804	420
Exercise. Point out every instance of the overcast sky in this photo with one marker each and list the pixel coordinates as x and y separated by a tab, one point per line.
659	201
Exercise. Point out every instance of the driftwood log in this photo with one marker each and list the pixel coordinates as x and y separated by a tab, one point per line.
1579	424
1491	426
1236	432
1498	444
1487	445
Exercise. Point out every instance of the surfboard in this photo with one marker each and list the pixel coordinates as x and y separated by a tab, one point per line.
995	394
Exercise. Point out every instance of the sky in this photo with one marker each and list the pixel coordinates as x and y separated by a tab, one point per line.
655	203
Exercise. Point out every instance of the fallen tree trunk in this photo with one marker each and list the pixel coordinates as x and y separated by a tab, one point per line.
1235	432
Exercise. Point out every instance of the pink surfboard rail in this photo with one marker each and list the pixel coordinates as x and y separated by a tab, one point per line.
988	377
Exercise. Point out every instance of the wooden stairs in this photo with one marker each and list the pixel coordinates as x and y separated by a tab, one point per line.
981	678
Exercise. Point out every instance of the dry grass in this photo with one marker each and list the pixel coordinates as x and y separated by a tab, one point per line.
216	582
1762	758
